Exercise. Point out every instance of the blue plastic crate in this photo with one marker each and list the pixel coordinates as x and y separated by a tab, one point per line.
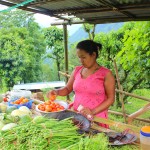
28	104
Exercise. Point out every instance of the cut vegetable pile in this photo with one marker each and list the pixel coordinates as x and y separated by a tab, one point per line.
48	134
19	131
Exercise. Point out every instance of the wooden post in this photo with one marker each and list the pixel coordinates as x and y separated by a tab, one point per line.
133	95
139	112
136	118
120	88
66	52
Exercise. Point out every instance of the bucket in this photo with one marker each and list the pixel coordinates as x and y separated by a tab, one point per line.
145	138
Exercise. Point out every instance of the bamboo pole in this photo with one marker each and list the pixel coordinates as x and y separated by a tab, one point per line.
118	125
133	95
120	88
136	118
139	112
66	49
66	52
123	92
64	74
101	129
119	91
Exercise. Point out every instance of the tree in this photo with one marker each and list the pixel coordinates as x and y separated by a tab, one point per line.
54	41
21	48
130	46
73	59
90	29
134	56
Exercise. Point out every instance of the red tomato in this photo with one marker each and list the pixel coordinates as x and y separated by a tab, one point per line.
47	102
5	99
53	110
42	108
25	100
48	108
17	101
52	97
62	107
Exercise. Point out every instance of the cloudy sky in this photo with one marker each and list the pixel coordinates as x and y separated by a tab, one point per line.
45	21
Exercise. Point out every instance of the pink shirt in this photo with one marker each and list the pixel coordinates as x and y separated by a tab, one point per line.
90	92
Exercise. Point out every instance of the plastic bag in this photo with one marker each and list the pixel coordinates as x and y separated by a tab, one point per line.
19	93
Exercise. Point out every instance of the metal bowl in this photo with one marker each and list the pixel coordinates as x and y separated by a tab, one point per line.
53	114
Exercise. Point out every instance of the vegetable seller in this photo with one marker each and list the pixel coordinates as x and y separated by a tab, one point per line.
93	84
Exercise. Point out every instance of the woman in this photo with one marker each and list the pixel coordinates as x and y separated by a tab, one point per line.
93	84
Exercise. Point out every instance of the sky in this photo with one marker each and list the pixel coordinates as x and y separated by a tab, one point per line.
45	21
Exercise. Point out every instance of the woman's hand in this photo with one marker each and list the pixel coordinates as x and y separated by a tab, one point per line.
52	95
87	113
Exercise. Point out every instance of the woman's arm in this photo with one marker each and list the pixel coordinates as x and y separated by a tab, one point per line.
109	85
65	90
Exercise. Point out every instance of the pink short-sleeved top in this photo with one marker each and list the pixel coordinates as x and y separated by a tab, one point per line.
90	92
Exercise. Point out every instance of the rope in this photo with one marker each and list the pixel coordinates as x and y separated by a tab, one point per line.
16	6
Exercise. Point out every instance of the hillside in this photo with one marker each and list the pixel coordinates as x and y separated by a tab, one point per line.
81	34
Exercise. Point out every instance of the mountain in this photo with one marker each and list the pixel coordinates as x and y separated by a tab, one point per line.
81	34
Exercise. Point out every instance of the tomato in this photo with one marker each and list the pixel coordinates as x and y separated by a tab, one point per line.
25	100
47	102
48	108
58	109
42	108
21	98
39	106
53	110
5	99
52	105
52	97
62	107
17	101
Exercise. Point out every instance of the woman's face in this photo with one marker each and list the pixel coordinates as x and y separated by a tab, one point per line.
85	58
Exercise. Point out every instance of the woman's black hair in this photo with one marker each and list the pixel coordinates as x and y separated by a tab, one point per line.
89	46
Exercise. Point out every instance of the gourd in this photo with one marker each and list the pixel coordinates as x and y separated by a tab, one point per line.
3	108
25	109
19	113
9	126
1	125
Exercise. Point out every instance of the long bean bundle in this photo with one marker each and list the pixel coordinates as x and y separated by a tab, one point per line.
40	134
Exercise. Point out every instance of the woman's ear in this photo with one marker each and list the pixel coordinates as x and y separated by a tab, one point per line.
94	54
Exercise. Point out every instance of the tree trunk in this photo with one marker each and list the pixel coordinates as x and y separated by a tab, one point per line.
58	68
93	32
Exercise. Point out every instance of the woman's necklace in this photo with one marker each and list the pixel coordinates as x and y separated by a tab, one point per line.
96	69
91	72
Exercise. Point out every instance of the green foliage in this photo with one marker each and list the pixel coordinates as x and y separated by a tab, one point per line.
21	48
90	29
134	56
111	45
48	73
130	47
54	41
73	59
